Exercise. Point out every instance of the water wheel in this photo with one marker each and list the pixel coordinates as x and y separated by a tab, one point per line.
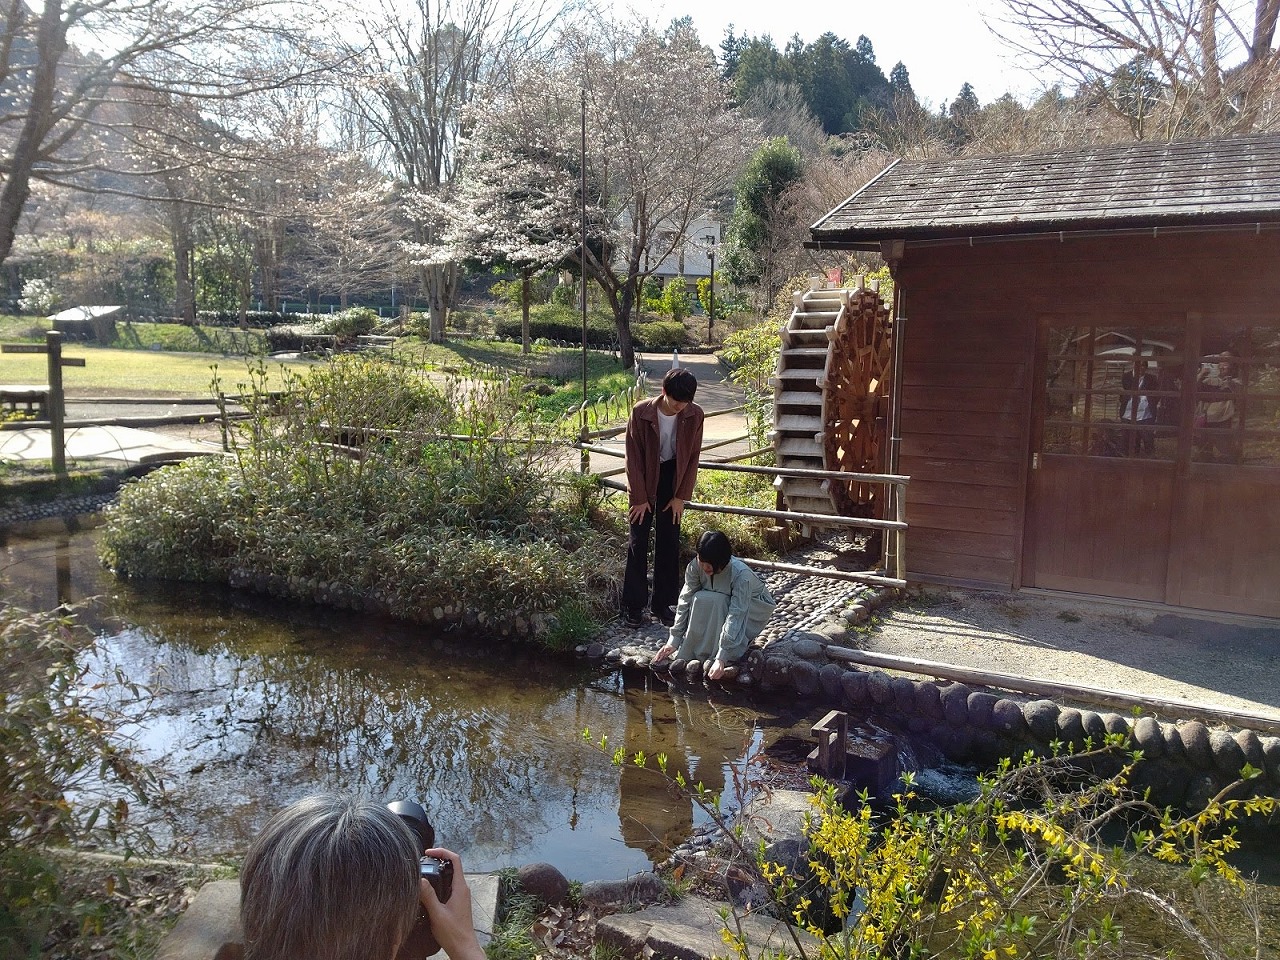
831	398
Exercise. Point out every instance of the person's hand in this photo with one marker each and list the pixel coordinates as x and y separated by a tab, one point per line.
676	506
451	922
716	671
665	653
636	513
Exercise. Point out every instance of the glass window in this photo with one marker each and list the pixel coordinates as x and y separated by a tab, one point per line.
1237	397
1113	391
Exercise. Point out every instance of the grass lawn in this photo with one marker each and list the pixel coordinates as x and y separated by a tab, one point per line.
559	367
111	371
151	336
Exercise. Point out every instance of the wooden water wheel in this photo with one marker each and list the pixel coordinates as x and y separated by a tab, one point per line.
831	398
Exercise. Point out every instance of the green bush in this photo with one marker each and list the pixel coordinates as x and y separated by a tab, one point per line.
350	323
253	318
660	335
351	481
552	322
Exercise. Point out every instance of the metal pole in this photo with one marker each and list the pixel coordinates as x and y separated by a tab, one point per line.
711	304
582	273
583	252
57	410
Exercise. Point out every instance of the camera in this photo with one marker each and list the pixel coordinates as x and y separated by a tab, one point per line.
437	872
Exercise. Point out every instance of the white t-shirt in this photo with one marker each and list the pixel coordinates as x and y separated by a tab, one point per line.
666	436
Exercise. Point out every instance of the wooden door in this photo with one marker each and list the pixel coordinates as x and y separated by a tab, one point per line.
1155	462
1105	447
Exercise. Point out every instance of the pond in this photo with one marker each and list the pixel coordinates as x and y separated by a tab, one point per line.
258	703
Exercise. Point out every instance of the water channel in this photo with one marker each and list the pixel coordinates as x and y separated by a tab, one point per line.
258	703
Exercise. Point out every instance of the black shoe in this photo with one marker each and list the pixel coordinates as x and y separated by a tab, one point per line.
633	618
668	619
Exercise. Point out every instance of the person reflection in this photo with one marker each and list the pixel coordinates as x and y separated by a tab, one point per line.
1217	387
653	815
1137	406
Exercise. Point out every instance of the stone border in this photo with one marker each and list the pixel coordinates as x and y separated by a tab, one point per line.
1185	763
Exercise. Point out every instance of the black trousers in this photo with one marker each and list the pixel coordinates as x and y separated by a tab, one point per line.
666	553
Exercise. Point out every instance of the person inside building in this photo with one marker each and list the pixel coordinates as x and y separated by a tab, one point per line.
722	608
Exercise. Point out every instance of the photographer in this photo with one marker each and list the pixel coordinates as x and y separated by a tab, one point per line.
337	878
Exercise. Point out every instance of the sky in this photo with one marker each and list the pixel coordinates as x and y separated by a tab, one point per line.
944	43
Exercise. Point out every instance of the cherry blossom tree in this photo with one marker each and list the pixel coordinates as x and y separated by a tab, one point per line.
663	145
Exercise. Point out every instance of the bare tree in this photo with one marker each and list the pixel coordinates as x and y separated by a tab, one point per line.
416	74
664	143
1172	68
68	69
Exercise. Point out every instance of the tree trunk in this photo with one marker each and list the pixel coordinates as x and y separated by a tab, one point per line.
51	43
524	310
184	287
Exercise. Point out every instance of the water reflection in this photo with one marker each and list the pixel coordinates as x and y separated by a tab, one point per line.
260	704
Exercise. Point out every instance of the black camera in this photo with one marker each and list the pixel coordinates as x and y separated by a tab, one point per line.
437	872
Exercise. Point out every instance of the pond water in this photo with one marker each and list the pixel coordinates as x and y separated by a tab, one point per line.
259	703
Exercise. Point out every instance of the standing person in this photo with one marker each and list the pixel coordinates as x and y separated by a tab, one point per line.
1136	406
723	607
664	438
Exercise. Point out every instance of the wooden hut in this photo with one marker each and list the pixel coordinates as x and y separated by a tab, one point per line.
1088	343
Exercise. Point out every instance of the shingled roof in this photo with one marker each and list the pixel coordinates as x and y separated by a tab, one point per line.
1186	183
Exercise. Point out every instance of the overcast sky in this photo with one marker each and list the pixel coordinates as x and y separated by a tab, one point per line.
944	43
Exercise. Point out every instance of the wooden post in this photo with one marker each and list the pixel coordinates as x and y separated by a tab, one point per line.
900	535
57	411
56	402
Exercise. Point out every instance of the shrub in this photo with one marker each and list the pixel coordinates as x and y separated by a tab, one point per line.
350	323
1024	870
253	318
352	480
660	335
555	323
676	301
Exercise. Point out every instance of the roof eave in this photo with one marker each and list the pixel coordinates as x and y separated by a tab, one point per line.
871	238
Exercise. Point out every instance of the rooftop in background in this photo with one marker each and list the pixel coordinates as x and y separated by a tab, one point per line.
1138	185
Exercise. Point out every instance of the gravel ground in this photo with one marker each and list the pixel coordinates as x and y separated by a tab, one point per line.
1232	663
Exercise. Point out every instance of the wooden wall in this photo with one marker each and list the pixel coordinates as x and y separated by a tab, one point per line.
971	314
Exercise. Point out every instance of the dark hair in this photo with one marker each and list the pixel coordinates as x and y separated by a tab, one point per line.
680	385
714	548
290	904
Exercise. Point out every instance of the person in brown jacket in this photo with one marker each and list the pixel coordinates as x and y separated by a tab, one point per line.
664	438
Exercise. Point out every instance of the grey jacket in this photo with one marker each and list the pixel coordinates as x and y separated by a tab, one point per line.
750	605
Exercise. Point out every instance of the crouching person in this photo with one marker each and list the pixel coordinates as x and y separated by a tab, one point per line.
722	608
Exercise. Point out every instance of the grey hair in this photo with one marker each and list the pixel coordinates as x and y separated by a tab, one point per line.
329	878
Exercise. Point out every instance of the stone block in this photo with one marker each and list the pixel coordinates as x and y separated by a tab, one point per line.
829	678
690	930
1251	746
804	678
929	701
1095	727
1195	741
981	707
1227	755
904	696
1173	747
955	704
1070	727
854	685
1148	737
209	927
872	765
1116	724
880	687
1007	718
1042	719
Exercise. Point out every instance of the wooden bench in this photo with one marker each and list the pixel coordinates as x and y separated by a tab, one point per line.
35	397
